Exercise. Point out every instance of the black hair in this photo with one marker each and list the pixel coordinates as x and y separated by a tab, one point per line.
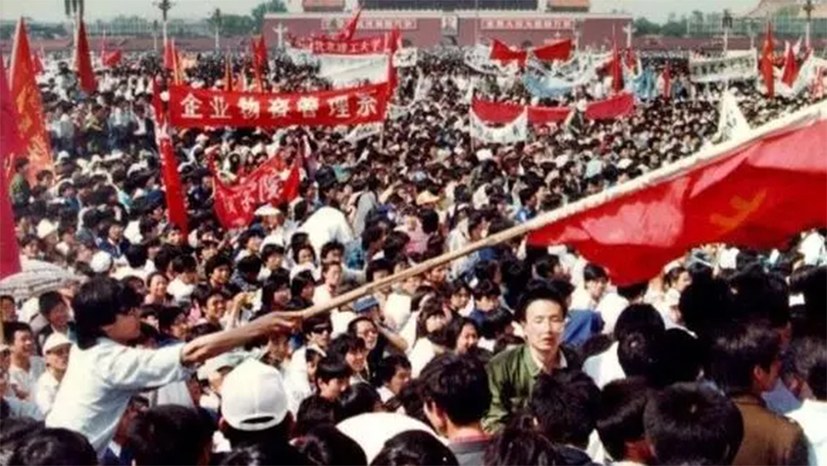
455	327
184	263
136	255
216	262
538	290
167	316
486	289
329	247
97	303
202	293
357	399
565	405
169	434
520	444
736	348
371	234
641	318
680	358
495	323
52	446
458	385
273	453
808	357
592	272
620	418
314	321
633	291
345	343
332	367
638	352
10	328
705	304
387	367
326	444
375	266
249	265
414	447
270	250
690	423
315	411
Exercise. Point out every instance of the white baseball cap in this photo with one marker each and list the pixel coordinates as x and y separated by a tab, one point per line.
253	397
55	340
101	262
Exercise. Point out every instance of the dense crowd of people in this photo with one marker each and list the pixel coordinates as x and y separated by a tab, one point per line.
179	348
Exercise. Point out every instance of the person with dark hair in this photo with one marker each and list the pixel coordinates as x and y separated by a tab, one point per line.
264	455
53	308
513	373
744	360
595	281
414	448
25	366
358	398
464	334
326	445
528	203
808	355
104	372
679	358
519	444
218	270
332	377
118	453
353	351
620	421
314	412
565	405
456	396
170	434
486	299
54	447
613	303
8	308
690	423
391	375
185	277
641	319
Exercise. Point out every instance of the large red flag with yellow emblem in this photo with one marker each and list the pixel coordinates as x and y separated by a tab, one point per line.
753	193
26	97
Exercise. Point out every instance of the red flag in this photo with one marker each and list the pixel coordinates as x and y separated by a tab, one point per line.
617	106
83	61
790	68
349	30
169	55
26	96
504	53
37	65
176	203
290	190
756	194
616	69
560	50
228	74
10	145
766	64
667	82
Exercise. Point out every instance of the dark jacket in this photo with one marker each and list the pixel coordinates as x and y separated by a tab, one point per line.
768	437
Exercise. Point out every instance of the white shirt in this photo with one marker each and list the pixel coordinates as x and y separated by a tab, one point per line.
180	290
810	416
604	367
20	408
609	309
27	380
100	381
44	395
340	320
325	225
421	354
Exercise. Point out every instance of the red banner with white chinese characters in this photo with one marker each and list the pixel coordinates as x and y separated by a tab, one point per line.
235	204
334	46
191	108
505	112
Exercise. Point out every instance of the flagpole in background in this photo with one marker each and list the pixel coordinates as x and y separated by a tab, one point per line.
798	120
164	6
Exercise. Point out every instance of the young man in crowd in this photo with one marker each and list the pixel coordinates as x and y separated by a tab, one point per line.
56	354
25	367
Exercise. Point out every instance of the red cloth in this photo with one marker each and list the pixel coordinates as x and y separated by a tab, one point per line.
504	53
190	107
112	59
175	195
83	61
766	65
365	46
616	69
169	55
37	65
26	96
504	112
349	30
614	107
560	50
757	195
10	145
790	68
667	82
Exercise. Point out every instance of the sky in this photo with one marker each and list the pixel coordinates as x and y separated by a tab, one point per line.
52	10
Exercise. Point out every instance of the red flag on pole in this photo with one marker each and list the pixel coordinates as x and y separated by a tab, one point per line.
790	67
10	145
349	30
616	68
83	61
754	192
37	65
26	97
767	62
169	55
291	184
175	196
667	82
560	50
504	53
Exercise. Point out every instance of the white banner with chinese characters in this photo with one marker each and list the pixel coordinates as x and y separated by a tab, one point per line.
363	132
736	65
189	107
406	57
343	70
510	133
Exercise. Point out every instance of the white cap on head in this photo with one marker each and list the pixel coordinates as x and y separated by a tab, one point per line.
45	228
101	262
253	397
55	340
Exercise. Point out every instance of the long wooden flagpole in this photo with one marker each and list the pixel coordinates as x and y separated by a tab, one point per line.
784	124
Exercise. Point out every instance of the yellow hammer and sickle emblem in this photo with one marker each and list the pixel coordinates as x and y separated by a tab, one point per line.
743	209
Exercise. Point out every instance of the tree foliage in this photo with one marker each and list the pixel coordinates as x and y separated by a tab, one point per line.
270	6
644	27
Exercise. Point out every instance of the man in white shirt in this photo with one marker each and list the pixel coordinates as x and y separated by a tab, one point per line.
810	360
56	352
25	367
324	225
